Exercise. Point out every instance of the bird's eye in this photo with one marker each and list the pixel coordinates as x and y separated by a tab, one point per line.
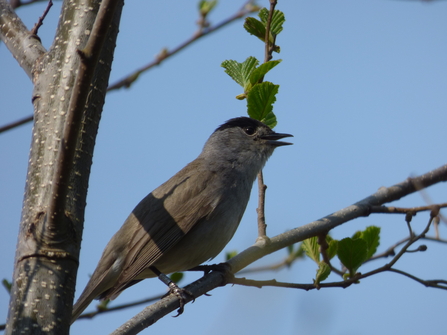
249	130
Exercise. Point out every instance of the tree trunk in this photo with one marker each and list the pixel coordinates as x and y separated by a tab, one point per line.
51	226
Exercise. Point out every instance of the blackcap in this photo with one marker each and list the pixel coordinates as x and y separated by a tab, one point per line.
190	218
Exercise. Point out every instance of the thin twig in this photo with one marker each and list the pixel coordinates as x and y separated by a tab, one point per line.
285	263
262	226
40	21
410	242
16	123
26	48
435	239
18	3
100	310
390	251
323	250
269	46
429	283
435	283
401	210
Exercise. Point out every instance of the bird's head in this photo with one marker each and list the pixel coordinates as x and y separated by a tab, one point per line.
243	141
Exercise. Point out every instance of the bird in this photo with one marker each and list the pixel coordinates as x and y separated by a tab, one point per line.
190	218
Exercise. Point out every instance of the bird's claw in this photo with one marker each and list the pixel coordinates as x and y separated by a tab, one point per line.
182	294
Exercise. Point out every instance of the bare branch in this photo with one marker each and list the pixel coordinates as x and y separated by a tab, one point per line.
24	46
438	283
401	210
269	46
260	249
39	23
435	283
287	262
262	226
260	210
154	312
272	282
16	123
18	3
359	209
101	310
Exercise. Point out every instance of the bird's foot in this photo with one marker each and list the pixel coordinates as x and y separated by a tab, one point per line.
182	294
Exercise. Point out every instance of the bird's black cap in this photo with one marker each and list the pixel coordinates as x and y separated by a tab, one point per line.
240	122
245	122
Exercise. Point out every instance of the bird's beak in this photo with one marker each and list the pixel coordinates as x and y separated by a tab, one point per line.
273	138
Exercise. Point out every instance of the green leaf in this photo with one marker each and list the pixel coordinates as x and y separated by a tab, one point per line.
233	69
264	15
371	235
357	234
205	7
176	277
352	253
312	248
324	270
255	27
278	20
332	249
262	70
270	120
260	102
240	72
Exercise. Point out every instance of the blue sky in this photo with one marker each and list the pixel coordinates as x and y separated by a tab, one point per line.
363	90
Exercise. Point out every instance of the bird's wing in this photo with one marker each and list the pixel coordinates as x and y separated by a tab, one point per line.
154	226
162	218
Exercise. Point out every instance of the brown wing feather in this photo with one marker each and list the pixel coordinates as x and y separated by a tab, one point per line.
160	223
153	227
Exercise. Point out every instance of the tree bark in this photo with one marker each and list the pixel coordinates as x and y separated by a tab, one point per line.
52	219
